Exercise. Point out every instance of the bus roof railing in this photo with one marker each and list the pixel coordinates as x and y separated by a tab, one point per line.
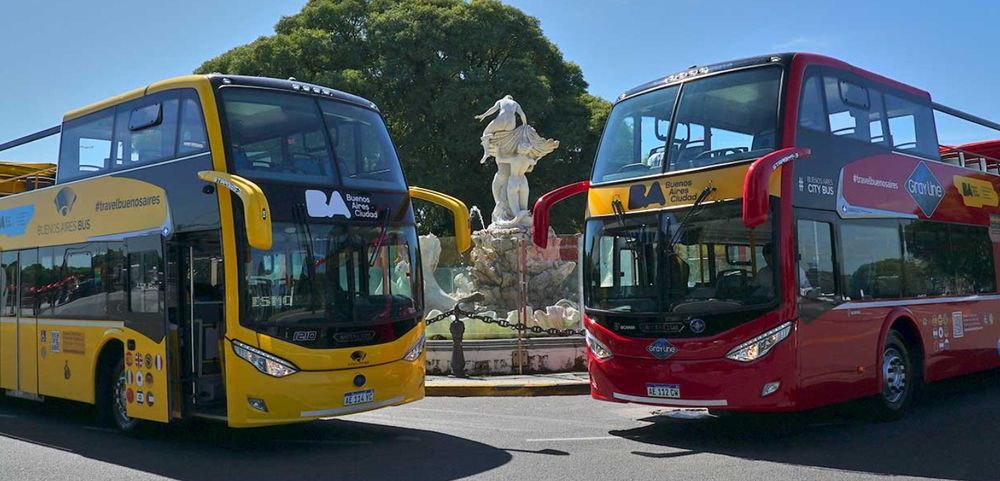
31	138
966	116
982	156
36	179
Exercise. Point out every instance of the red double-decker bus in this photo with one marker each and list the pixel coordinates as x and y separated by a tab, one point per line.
785	232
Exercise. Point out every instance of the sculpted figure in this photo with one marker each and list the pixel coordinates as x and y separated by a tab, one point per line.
516	149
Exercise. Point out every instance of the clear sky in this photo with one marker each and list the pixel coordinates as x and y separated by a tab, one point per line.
61	54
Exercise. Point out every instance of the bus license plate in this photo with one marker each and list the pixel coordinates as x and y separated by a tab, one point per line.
359	397
663	390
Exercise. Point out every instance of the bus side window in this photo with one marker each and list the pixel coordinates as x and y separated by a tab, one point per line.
145	288
816	278
911	127
146	130
191	137
9	272
85	149
873	265
812	113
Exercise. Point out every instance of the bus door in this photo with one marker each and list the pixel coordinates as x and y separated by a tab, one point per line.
197	275
147	360
828	357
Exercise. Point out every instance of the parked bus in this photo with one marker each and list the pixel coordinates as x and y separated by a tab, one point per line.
781	233
227	247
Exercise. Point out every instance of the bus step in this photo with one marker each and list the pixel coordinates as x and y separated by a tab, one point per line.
25	395
211	416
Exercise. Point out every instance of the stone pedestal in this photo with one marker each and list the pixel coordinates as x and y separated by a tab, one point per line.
496	269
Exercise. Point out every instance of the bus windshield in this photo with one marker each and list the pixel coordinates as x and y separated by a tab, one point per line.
299	138
332	275
647	264
719	119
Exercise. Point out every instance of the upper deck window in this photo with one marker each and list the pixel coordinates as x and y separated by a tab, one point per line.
852	108
277	136
719	119
364	153
85	147
191	137
147	130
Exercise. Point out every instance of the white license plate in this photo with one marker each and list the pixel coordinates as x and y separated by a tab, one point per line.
663	390
359	397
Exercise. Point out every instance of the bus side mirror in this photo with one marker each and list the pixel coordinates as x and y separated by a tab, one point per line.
460	213
255	207
757	185
540	212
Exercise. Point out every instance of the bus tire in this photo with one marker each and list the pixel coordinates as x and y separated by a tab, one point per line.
111	399
900	379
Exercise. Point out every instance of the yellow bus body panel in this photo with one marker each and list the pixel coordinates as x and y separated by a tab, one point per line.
8	353
147	374
676	189
67	356
313	394
27	380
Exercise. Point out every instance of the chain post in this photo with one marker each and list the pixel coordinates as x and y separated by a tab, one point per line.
457	329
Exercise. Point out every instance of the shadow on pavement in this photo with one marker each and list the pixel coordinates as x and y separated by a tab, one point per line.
334	449
954	433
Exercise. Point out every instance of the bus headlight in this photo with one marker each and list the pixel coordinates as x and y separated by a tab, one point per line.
266	363
759	346
598	348
416	349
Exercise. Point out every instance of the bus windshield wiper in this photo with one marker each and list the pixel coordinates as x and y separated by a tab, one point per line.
381	237
707	191
619	210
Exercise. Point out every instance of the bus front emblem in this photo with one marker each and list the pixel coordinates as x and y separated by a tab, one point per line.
661	349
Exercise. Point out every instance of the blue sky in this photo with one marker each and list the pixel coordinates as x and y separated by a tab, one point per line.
55	58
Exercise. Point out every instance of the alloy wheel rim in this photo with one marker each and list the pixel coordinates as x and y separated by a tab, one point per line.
894	379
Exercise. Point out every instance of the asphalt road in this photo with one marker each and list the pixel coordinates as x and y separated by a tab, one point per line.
952	435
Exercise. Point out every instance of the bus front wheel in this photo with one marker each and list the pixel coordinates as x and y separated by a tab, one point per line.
900	376
112	401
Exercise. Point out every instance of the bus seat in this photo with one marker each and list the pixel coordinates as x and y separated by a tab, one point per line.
307	166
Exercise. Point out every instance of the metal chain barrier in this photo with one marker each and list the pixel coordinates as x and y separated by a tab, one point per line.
461	314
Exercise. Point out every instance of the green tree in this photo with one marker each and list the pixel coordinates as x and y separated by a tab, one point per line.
431	65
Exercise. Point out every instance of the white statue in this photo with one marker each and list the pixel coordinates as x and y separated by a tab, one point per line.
434	296
516	149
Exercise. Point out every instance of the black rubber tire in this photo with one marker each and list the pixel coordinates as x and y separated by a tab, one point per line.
900	380
109	412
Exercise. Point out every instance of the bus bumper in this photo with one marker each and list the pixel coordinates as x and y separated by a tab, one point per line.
311	395
718	384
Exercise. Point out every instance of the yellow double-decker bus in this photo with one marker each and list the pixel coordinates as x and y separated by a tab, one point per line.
227	247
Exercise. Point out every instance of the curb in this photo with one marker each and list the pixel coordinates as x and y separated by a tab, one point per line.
508	390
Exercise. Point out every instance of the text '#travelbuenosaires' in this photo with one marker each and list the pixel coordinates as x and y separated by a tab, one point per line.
100	206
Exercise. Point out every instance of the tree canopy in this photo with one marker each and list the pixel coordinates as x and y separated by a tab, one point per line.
430	66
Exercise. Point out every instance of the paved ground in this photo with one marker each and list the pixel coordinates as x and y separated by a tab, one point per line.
955	434
558	384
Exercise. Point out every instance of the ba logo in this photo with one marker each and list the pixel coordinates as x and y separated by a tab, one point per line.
65	200
358	356
925	189
661	349
639	198
318	205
